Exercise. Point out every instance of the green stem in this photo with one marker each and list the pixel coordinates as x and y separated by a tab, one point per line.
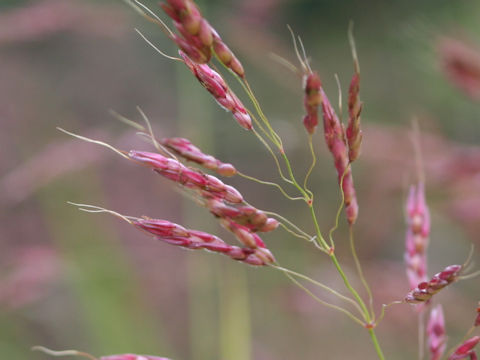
321	241
279	187
315	297
277	163
312	166
350	288
292	177
360	272
376	345
319	284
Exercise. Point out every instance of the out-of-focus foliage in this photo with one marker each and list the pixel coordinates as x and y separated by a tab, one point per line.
114	290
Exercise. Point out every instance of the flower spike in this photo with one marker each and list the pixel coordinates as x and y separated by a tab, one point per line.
426	289
436	333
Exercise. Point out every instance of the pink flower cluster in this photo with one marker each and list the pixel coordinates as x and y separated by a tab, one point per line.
174	234
216	85
436	333
246	216
354	133
184	148
196	34
207	185
312	100
465	350
418	230
426	289
337	144
198	38
219	198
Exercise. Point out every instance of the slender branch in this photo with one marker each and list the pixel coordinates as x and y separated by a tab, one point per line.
108	146
319	284
312	166
320	239
259	110
315	297
378	349
350	287
363	279
63	353
384	307
292	177
284	219
286	228
339	210
279	187
280	171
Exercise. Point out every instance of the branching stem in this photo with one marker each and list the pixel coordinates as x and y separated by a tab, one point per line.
315	297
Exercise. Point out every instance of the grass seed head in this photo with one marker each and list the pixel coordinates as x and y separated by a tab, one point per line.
353	132
426	289
436	333
188	151
312	101
418	230
465	350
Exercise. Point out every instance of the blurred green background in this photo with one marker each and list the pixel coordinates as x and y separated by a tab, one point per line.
90	282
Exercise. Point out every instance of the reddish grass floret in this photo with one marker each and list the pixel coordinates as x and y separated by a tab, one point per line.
174	234
243	234
436	333
207	185
426	289
354	133
187	150
196	35
161	228
335	139
465	350
418	230
248	216
214	83
226	56
312	101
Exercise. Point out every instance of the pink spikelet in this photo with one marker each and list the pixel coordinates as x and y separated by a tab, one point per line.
426	289
436	333
335	139
243	234
193	239
187	150
354	133
226	56
198	37
312	101
196	34
418	230
214	83
248	216
207	185
465	350
132	357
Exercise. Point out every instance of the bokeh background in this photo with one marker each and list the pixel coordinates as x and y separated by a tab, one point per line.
90	282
